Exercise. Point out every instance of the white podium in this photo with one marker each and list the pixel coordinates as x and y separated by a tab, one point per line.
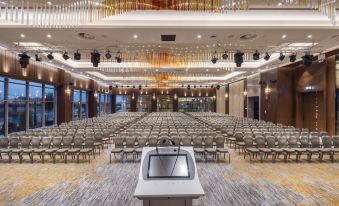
166	191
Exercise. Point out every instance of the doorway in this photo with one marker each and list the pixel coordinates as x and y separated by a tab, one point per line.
313	111
253	107
165	103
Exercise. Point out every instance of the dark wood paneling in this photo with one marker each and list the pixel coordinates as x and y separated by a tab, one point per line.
268	101
227	111
313	111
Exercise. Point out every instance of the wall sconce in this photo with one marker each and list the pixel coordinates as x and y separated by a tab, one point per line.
146	92
162	92
133	97
206	94
95	94
119	92
167	92
68	91
153	96
185	94
245	93
175	96
226	95
214	97
192	94
141	92
125	92
199	94
267	90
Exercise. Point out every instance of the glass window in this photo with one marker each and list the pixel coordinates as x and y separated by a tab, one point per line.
108	104
76	104
196	104
2	106
144	103
123	103
83	104
16	105
49	105
35	105
101	103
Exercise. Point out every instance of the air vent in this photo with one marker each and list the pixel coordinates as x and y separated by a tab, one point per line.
168	37
86	36
247	37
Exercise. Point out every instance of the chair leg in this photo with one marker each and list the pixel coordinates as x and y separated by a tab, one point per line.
78	158
65	158
31	156
43	158
110	158
9	157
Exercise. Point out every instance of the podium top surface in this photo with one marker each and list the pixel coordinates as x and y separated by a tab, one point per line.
164	188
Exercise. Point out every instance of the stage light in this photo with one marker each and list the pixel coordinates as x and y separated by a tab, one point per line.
307	59
293	57
214	58
24	60
140	87
238	58
225	55
195	86
77	56
116	86
65	56
218	87
281	57
108	54
50	56
267	56
118	57
95	58
38	58
212	86
188	87
256	55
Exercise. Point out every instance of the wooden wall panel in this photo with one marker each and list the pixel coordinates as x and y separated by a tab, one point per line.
268	100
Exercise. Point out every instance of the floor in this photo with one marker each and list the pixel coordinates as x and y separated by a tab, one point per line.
238	183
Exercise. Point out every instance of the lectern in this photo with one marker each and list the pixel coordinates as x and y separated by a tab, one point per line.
168	177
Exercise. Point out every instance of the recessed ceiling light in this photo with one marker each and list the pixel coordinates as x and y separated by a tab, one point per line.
135	36
309	36
49	36
199	36
22	35
49	3
284	36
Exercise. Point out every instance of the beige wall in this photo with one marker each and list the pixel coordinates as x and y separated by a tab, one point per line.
236	98
221	100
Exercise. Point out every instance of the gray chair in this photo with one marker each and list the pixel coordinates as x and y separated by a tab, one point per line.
186	141
129	147
198	146
98	144
88	148
54	145
315	147
209	148
118	147
239	142
250	148
4	143
292	148
220	144
26	147
260	142
282	144
152	141
141	144
66	145
14	147
304	145
336	144
36	146
327	148
77	146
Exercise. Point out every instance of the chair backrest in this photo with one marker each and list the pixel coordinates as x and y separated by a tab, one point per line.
98	137
130	142
282	142
118	142
56	141
293	142
248	142
67	141
270	141
304	143
25	141
142	141
327	141
4	142
336	141
89	142
220	141
260	142
14	142
239	137
315	141
46	142
197	142
152	141
176	140
35	142
208	141
78	141
186	141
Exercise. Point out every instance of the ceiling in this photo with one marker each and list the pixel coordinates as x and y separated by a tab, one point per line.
198	35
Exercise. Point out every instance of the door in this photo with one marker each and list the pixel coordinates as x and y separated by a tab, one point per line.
253	107
165	103
314	111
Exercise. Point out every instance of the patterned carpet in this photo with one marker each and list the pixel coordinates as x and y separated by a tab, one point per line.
101	183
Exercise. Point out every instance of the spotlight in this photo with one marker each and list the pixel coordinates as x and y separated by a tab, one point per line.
116	86
118	57
24	60
95	58
267	56
140	87
256	55
238	58
218	87
321	57
212	86
282	56
293	57
195	86
307	59
50	56
110	87
214	58
77	55
65	56
38	58
188	87
108	54
225	55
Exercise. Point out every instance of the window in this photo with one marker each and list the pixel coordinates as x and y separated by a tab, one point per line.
49	105
144	103
35	105
2	106
123	103
83	104
196	104
101	104
76	105
16	105
108	104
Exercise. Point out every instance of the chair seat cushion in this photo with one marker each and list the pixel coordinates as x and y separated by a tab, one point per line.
74	150
241	143
277	150
336	150
326	150
38	150
222	150
87	150
97	144
252	149
265	150
128	150
105	139
313	149
16	150
300	149
231	138
139	150
27	150
116	150
5	150
289	150
199	150
52	150
210	150
62	150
